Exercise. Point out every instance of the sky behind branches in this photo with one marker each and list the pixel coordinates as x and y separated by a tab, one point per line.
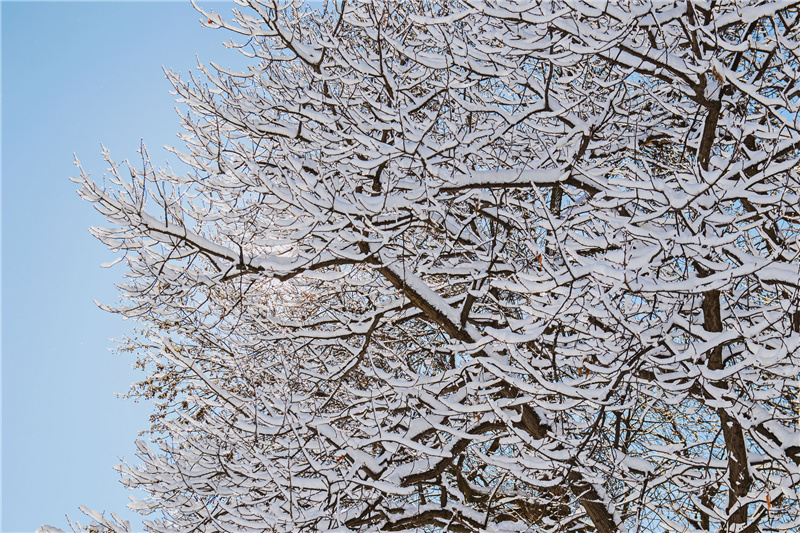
75	74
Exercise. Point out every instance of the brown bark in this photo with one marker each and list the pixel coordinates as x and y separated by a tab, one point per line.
732	432
584	491
531	422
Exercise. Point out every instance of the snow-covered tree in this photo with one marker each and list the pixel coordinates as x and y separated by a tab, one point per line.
474	266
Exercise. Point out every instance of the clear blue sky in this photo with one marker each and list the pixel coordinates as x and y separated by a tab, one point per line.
75	75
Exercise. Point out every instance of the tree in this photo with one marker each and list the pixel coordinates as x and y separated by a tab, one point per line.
474	266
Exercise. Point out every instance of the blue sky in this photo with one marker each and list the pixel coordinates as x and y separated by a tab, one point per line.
75	74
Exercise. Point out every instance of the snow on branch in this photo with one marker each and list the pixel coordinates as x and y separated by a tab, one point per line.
469	266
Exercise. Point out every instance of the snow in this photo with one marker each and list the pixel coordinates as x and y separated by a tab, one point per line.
375	292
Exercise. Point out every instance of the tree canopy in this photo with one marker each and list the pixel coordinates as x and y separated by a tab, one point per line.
473	266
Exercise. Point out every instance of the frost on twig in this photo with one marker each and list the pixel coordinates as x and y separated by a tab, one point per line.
473	266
